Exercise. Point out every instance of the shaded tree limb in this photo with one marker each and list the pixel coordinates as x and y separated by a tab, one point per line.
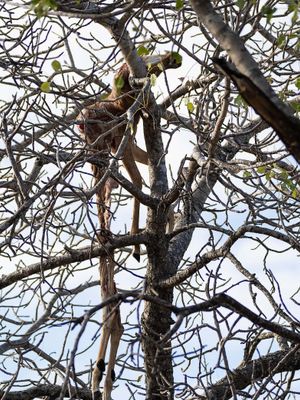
51	391
245	374
234	47
71	256
222	251
286	125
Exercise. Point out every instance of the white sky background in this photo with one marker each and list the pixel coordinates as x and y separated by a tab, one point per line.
284	265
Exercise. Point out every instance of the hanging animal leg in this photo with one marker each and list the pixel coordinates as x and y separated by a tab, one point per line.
136	178
139	154
108	288
112	330
103	197
115	337
99	367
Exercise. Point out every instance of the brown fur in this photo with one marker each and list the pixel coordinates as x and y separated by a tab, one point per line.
101	128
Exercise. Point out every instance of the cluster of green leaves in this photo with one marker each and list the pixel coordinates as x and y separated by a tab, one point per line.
283	40
286	181
268	11
42	7
294	8
46	86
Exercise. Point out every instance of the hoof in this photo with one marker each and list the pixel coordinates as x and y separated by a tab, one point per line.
101	368
101	365
113	375
137	256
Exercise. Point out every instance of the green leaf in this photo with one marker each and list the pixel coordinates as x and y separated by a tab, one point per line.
51	4
293	5
240	3
39	11
247	174
42	7
177	57
282	95
179	4
269	175
240	102
297	83
290	185
281	40
142	51
152	79
295	105
284	175
56	65
268	12
190	106
261	169
45	87
104	96
295	17
119	82
294	193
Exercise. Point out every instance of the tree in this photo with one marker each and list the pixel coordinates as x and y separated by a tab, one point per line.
210	312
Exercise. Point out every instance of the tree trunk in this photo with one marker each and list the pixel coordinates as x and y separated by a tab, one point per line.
156	320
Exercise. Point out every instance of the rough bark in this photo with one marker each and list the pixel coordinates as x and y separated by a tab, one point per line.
287	126
156	320
234	47
50	391
245	374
